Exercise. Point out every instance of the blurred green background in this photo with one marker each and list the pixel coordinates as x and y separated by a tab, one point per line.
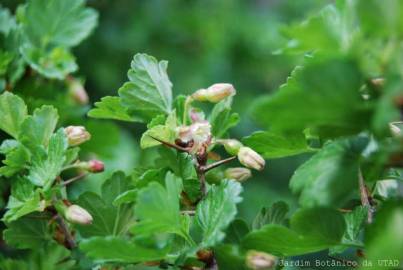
205	42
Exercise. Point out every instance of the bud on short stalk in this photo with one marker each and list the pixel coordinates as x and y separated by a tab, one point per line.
239	174
249	158
76	135
260	260
94	166
215	93
77	214
77	91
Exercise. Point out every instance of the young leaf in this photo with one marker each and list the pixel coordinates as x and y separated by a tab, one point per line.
24	199
230	257
311	230
58	22
217	210
158	208
37	129
111	108
165	132
236	231
275	145
108	219
276	214
45	168
17	157
148	93
27	232
222	119
323	95
330	176
12	113
116	249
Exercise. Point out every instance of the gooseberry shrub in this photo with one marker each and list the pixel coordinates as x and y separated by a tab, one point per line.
342	105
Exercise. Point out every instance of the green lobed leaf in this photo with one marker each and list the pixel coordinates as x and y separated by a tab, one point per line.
222	119
330	31
384	238
157	208
28	232
276	214
323	96
108	218
46	167
37	129
17	157
58	22
275	145
116	249
111	108
217	210
55	63
7	21
236	231
166	132
148	93
310	230
330	177
13	112
24	199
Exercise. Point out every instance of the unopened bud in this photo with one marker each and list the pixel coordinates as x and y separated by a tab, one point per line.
260	260
232	146
378	82
239	174
77	214
396	128
77	135
77	91
94	166
215	93
249	158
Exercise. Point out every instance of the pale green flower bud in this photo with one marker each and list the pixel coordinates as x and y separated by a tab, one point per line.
77	91
239	174
249	158
232	146
77	214
215	93
77	135
396	128
260	260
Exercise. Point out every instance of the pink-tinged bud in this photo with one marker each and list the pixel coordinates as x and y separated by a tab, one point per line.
77	135
77	214
249	158
260	260
396	128
232	146
239	174
77	91
215	93
196	115
95	166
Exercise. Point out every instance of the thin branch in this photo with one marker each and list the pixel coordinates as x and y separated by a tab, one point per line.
75	178
177	147
63	226
218	163
365	196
